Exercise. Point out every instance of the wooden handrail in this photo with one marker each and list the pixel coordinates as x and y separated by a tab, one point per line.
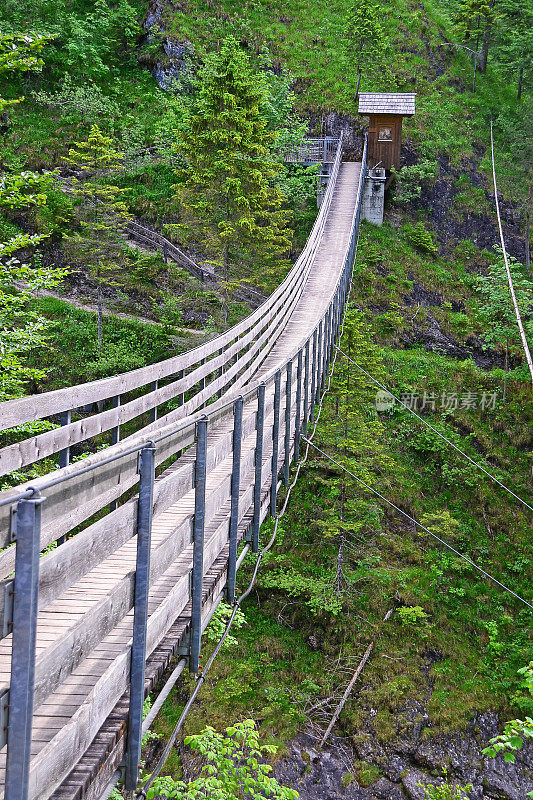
199	362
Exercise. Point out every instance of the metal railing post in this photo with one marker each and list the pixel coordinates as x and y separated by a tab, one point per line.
314	374
275	444
235	489
288	403
25	606
140	614
297	418
198	544
154	386
181	397
306	384
220	374
260	425
115	432
327	340
64	455
181	400
319	359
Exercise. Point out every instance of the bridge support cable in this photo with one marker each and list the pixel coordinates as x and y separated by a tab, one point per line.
507	269
435	431
418	524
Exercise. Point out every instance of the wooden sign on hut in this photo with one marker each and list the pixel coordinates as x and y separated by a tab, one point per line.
386	112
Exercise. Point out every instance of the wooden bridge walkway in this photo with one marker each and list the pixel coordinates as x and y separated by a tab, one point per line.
151	530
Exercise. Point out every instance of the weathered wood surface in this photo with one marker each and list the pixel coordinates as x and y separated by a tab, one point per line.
26	409
85	615
159	242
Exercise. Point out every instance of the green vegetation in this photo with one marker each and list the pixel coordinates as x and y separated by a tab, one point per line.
102	213
516	731
235	768
444	791
225	184
429	317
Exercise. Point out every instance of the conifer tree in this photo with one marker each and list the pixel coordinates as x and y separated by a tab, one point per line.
364	35
225	190
102	214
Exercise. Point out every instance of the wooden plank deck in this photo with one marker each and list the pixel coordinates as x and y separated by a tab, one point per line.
84	633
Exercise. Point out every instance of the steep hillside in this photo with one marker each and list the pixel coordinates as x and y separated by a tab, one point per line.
429	318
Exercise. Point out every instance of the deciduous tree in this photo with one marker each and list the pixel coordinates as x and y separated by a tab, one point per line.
235	768
20	329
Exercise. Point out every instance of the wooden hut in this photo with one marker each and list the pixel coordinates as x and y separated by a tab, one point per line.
386	112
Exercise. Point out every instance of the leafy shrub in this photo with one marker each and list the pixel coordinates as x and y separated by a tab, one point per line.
444	791
233	766
412	616
516	731
57	216
411	179
218	623
420	238
113	359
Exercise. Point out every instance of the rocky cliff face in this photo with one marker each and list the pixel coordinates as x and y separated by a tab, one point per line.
406	764
173	63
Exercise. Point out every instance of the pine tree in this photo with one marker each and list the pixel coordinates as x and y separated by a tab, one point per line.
515	48
226	193
364	35
102	214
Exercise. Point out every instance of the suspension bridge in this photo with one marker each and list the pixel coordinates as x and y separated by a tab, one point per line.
113	564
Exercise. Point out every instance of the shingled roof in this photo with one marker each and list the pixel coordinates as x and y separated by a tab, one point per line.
388	103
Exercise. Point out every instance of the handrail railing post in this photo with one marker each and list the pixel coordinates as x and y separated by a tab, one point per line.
140	614
297	418
327	327
64	455
235	490
198	544
153	412
260	424
115	432
25	606
306	384
288	403
320	359
275	444
314	374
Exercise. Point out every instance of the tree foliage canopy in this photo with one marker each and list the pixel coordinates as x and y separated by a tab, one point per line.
226	180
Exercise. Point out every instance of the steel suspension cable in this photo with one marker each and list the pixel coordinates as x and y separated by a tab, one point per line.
412	519
429	425
507	268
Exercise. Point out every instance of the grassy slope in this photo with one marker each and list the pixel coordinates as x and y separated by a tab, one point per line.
479	633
